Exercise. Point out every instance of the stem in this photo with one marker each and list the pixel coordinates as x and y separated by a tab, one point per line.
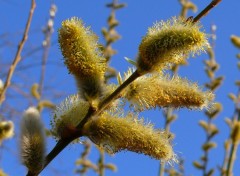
162	168
234	145
232	158
206	10
46	47
115	94
17	58
167	129
225	161
206	152
101	162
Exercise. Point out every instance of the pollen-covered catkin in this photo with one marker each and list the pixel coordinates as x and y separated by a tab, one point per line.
115	134
82	57
32	140
156	90
168	43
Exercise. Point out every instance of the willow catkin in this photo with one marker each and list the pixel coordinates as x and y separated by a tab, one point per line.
115	134
168	43
156	90
32	140
82	57
68	115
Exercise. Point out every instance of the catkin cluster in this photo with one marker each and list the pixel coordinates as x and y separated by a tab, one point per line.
165	43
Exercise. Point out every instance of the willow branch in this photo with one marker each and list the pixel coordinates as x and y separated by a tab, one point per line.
205	11
17	58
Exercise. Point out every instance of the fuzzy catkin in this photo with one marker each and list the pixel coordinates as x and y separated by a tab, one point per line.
156	90
168	43
32	140
82	57
115	134
67	115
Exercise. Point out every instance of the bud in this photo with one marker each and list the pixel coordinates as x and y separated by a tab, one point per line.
82	57
168	42
68	115
235	134
6	130
32	140
235	40
1	85
34	91
115	134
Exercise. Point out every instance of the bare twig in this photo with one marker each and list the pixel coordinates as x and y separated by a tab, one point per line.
234	146
46	45
206	10
17	58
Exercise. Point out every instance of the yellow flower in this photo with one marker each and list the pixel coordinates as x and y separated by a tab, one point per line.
168	42
156	90
115	134
82	57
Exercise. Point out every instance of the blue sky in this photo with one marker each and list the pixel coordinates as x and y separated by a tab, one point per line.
134	21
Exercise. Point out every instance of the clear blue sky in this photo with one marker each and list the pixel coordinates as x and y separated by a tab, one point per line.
134	21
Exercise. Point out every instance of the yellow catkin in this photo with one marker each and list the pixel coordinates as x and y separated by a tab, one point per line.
115	134
82	57
68	115
162	91
167	42
32	140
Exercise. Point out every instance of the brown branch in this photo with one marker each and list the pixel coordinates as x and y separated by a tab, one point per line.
206	10
46	45
17	58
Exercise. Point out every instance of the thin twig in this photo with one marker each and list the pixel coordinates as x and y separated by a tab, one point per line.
101	163
232	157
17	58
206	10
234	146
46	45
